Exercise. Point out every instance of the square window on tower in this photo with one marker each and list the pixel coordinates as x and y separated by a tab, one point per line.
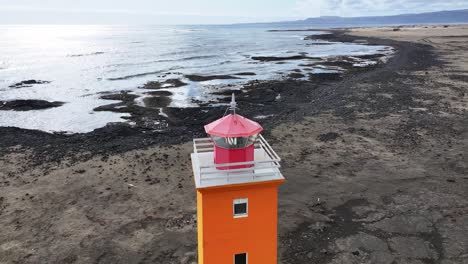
241	207
240	258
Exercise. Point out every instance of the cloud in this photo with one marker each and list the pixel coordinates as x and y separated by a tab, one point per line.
314	8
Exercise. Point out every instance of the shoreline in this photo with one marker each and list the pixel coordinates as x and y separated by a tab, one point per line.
177	125
374	161
87	102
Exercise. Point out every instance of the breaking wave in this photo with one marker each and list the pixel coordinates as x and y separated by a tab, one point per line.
87	54
142	74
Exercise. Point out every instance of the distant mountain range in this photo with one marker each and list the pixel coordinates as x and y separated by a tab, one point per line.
454	16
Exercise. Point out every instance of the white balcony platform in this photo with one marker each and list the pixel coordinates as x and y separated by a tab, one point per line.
265	167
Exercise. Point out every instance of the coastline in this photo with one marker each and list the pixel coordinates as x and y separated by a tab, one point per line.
152	79
365	155
157	124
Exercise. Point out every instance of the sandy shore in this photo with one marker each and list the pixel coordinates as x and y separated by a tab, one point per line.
376	164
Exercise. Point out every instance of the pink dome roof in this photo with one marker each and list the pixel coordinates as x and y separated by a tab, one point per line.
233	125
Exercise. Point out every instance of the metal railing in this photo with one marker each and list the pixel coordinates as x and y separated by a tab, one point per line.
212	171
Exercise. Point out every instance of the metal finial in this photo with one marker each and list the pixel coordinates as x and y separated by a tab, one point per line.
233	104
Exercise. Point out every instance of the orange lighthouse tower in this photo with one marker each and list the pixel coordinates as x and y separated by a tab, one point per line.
237	176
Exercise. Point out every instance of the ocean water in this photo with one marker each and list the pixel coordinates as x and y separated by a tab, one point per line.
83	62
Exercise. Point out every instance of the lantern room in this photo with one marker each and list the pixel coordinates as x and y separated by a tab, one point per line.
233	137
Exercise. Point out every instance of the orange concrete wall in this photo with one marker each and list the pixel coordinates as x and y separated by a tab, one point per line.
223	235
200	226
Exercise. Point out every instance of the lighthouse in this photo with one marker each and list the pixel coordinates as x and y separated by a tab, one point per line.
236	175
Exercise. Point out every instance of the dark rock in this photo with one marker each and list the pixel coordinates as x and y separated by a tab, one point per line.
157	102
116	108
169	83
325	77
370	56
319	43
122	96
246	73
159	93
27	105
27	83
339	61
273	58
173	83
329	36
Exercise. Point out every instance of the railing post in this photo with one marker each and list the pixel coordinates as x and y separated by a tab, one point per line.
200	176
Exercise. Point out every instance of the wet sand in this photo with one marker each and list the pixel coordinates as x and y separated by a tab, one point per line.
376	165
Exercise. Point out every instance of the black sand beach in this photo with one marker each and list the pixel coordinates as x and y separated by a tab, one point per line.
375	161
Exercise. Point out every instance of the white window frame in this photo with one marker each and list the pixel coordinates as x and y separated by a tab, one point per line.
246	257
240	201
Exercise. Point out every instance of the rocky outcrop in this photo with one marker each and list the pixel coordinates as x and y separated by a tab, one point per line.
28	105
27	83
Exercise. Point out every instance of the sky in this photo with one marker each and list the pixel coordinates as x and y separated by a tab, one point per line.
204	11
